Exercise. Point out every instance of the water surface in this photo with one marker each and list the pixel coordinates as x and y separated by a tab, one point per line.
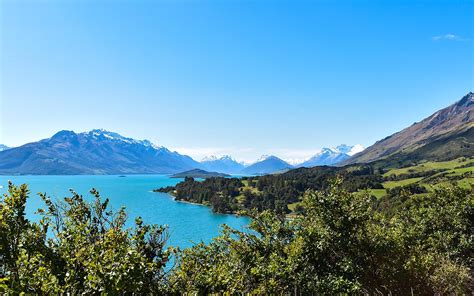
187	223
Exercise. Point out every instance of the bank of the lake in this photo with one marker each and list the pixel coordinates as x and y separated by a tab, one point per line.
188	223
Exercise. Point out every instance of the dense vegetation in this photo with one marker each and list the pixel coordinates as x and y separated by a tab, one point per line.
282	192
270	192
340	243
77	248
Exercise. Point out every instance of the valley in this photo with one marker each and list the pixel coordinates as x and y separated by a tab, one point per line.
442	155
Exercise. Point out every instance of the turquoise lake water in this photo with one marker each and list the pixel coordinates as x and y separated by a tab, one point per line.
188	223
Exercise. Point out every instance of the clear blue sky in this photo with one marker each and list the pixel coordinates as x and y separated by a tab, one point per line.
238	77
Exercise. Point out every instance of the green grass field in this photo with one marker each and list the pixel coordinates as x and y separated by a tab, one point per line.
450	170
466	182
393	184
292	206
431	165
378	193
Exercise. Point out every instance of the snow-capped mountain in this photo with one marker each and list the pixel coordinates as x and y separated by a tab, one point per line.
98	134
349	150
209	158
332	156
266	165
94	152
3	147
224	164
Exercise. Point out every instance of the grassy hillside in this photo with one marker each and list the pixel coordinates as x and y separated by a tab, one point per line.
432	165
429	175
446	134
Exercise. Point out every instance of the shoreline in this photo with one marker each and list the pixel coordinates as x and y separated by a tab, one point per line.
199	204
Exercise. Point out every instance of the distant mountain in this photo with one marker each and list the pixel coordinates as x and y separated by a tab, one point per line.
94	152
198	173
3	147
350	150
332	156
224	164
266	165
447	134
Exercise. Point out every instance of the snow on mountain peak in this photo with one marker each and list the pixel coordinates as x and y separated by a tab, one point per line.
227	157
326	150
263	157
343	148
209	158
356	149
96	133
332	156
216	158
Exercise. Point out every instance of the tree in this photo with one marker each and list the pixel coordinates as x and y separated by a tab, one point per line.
340	244
78	247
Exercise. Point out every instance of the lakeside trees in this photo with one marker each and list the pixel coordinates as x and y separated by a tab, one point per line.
78	248
270	192
340	243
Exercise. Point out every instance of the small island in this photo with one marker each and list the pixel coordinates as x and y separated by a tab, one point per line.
198	173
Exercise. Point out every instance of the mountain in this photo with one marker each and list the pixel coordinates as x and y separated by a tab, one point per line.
266	165
94	152
3	147
350	150
447	134
198	173
224	164
332	156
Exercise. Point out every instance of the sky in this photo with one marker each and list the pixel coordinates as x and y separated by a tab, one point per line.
243	78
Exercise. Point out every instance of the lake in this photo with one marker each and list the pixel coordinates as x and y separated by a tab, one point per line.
188	223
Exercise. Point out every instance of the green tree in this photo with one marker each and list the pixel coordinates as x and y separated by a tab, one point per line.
78	247
340	244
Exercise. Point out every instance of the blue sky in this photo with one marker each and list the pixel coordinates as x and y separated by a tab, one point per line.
231	77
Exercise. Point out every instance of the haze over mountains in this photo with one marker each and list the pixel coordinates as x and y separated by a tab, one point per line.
3	147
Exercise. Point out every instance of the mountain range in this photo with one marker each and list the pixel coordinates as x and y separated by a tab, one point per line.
266	165
225	164
446	134
104	152
94	152
331	156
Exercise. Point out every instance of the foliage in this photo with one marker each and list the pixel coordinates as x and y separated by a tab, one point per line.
270	192
340	245
78	248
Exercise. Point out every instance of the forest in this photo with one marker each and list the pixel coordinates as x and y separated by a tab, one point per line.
283	192
270	192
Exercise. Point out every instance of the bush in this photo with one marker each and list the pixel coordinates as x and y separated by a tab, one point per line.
78	248
340	245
